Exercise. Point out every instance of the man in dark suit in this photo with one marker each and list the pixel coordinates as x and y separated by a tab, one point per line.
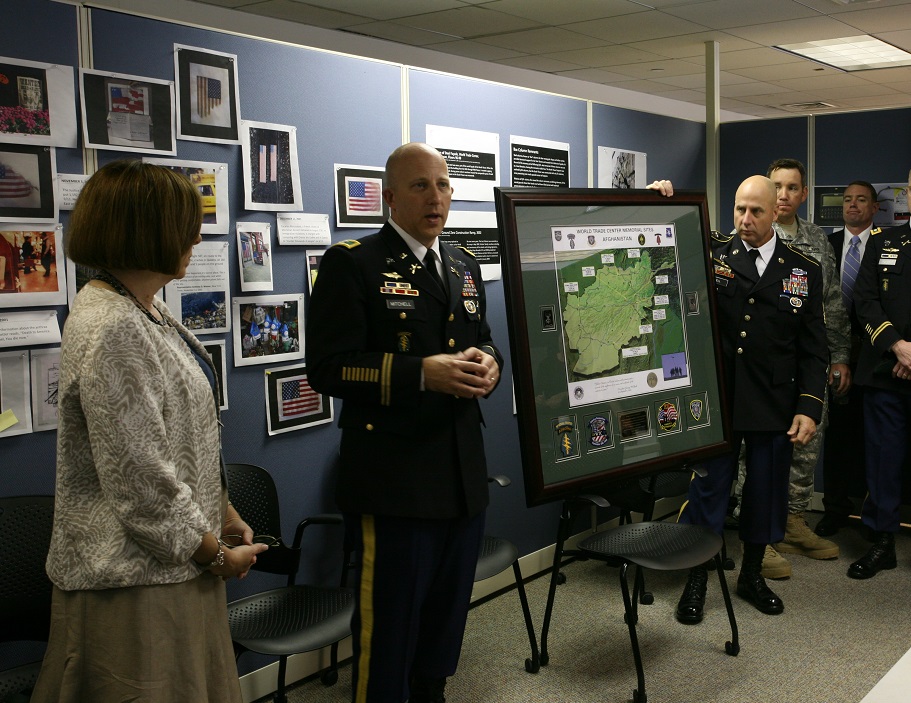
882	301
775	354
397	329
843	458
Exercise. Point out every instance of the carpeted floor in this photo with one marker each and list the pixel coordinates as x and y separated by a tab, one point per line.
835	640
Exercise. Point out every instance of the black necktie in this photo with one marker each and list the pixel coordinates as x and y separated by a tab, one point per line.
430	263
754	255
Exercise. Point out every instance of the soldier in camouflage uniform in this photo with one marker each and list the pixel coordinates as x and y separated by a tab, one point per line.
789	177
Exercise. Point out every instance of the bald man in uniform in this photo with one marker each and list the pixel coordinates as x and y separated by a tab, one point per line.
397	329
773	341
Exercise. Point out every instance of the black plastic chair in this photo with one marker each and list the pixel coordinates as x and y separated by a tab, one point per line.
25	590
294	619
662	546
497	555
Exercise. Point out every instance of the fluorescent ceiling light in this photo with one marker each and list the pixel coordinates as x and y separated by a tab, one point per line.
860	53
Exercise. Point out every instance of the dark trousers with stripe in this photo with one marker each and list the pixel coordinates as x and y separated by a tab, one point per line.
412	593
764	504
885	426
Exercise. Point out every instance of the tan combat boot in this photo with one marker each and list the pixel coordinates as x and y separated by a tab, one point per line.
800	539
775	566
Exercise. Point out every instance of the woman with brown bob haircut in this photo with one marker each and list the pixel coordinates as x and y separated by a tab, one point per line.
144	536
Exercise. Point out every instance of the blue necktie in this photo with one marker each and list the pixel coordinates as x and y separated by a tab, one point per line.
852	267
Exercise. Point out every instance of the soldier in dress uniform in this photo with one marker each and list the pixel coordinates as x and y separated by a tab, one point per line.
774	351
397	328
882	301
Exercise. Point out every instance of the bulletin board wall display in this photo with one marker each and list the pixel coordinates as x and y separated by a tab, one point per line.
616	359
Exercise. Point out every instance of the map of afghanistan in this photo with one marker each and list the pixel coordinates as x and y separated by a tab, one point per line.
626	317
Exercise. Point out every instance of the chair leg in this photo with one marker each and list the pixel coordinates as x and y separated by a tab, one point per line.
562	533
629	606
280	696
733	646
532	665
329	675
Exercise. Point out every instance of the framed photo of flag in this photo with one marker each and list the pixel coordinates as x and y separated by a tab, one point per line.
291	404
208	109
27	175
359	196
127	113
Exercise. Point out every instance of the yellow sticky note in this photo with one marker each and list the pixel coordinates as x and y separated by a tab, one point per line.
8	419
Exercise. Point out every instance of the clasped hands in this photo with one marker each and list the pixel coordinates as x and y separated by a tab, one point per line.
241	552
471	373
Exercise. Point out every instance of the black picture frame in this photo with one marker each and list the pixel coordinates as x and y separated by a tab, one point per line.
305	409
37	166
187	61
605	397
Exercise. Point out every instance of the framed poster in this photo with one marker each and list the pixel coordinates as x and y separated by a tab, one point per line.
359	196
127	113
217	352
612	326
207	106
211	180
45	367
271	173
32	269
291	404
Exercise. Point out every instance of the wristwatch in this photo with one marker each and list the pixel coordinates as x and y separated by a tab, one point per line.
219	559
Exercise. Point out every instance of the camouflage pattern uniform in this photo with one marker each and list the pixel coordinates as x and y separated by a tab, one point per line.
812	241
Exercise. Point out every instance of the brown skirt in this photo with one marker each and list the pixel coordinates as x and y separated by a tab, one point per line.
143	644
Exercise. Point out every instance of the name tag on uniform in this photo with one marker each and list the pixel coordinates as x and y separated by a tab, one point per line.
394	304
887	259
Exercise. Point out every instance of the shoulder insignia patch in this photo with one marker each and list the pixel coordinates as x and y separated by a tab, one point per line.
347	243
466	250
875	230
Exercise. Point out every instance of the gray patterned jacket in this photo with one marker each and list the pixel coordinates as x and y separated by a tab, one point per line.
138	447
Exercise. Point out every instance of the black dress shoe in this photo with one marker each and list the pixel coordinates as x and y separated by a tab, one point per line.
752	588
830	523
881	556
692	602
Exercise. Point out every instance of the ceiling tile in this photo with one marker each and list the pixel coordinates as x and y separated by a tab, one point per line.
692	45
599	56
774	33
305	14
595	75
565	11
784	71
732	60
879	19
538	63
400	33
721	14
469	22
474	50
659	69
636	27
542	41
387	9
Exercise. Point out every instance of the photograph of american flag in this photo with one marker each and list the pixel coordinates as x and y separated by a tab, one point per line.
208	95
364	195
297	398
127	99
12	184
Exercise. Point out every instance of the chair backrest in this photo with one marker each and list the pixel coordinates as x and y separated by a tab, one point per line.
253	494
26	523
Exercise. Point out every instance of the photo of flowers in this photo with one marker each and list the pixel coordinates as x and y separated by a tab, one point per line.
37	103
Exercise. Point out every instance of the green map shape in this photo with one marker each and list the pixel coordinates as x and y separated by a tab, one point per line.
605	316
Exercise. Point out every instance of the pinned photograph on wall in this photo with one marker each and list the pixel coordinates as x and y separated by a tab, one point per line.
271	174
37	103
314	257
359	196
200	299
127	113
219	361
268	329
254	255
291	404
45	367
211	180
27	175
15	407
621	168
473	159
208	107
31	266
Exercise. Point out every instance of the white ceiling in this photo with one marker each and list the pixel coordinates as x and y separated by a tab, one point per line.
653	46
